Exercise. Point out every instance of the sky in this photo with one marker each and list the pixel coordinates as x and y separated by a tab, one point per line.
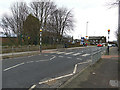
97	13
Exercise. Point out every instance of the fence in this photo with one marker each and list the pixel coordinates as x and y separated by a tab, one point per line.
96	55
13	49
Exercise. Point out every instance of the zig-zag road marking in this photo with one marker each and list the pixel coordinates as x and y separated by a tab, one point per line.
57	78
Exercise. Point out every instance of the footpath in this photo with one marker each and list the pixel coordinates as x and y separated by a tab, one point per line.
103	74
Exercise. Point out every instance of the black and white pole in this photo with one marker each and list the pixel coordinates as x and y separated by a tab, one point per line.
40	40
108	39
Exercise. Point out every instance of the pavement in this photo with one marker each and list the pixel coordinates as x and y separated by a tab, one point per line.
105	73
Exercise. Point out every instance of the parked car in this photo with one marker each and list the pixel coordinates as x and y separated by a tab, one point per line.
99	45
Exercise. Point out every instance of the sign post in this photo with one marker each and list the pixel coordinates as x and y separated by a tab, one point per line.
40	40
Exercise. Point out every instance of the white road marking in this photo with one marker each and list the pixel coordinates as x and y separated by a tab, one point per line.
13	66
74	71
42	60
69	53
53	57
56	78
60	52
79	59
32	87
69	57
30	62
76	54
60	56
46	59
85	54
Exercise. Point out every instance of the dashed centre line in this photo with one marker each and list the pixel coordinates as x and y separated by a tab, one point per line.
28	62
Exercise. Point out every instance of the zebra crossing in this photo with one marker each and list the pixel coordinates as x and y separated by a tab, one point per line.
71	53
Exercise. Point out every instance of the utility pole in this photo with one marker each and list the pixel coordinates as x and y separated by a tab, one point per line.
86	30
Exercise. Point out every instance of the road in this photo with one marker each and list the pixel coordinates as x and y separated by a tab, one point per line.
26	71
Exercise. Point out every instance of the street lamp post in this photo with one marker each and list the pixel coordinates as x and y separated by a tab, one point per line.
40	40
86	30
108	39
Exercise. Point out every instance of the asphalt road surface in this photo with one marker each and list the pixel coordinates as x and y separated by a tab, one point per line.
26	71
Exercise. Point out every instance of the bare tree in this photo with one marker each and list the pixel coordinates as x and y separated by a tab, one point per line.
19	14
61	21
8	26
14	24
56	21
42	10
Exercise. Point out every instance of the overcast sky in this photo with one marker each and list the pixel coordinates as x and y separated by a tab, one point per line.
100	18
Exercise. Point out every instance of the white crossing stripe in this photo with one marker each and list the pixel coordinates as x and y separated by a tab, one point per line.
85	54
60	52
69	53
79	59
76	54
69	57
60	56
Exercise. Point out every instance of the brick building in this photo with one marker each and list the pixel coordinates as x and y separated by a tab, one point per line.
97	39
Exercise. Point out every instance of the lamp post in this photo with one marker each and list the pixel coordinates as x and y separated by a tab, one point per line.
40	40
108	40
86	30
